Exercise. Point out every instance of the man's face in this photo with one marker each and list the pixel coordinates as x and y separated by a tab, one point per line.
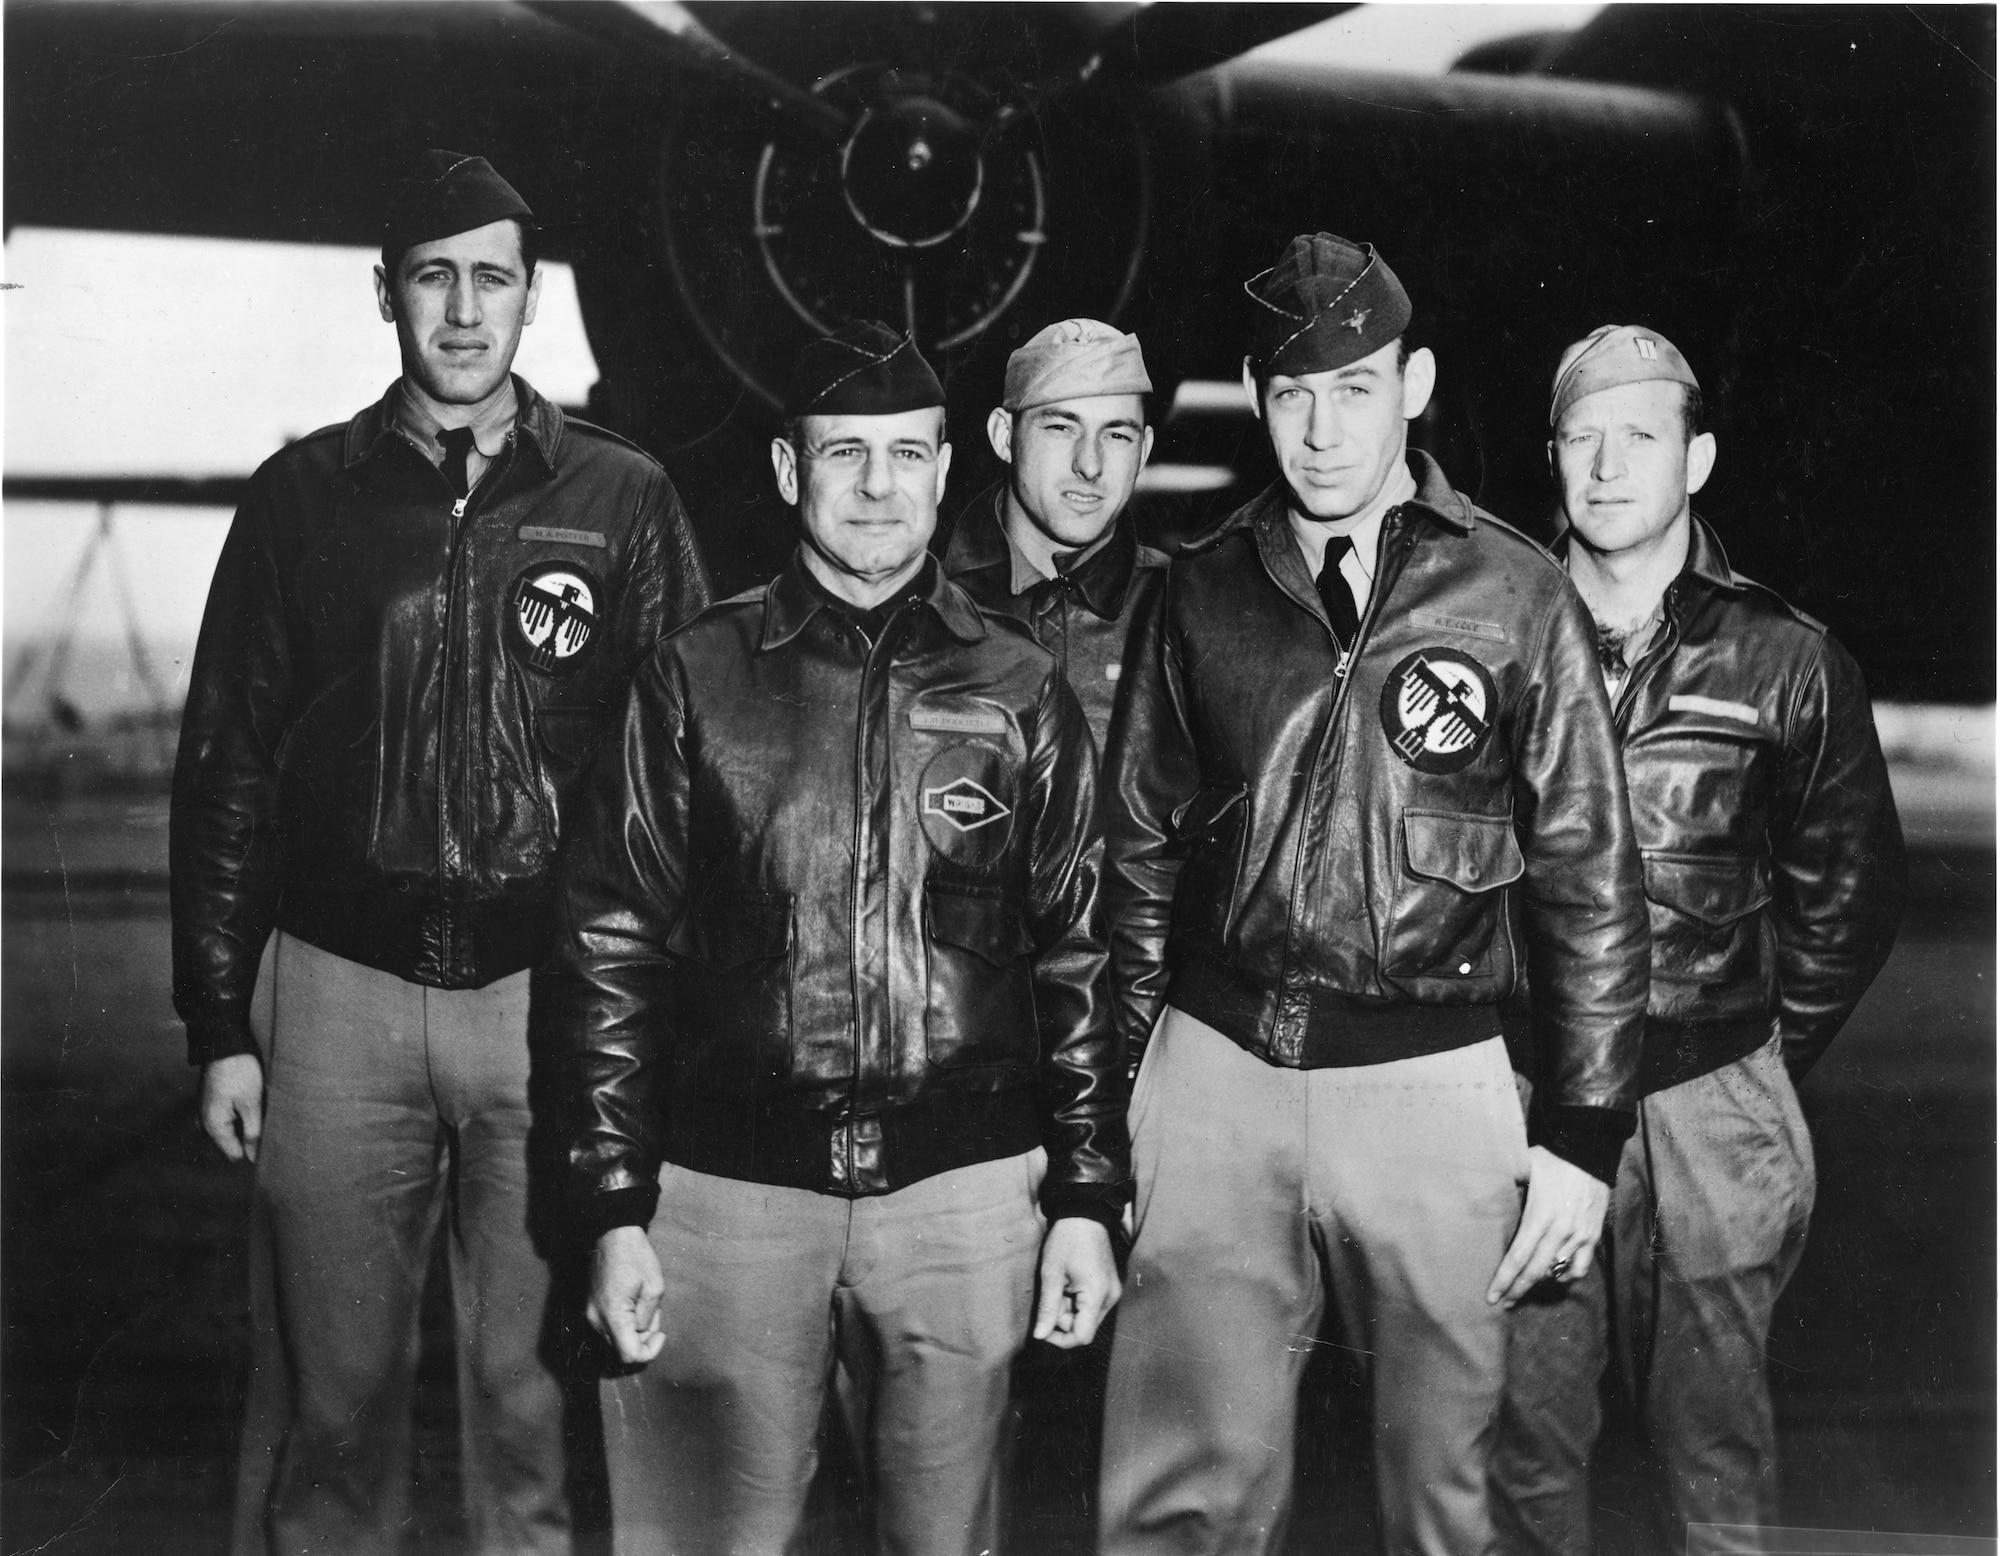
866	487
1338	434
1626	465
1075	462
459	305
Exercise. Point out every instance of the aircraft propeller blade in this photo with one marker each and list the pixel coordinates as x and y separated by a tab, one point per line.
671	30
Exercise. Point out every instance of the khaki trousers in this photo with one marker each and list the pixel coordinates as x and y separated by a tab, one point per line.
1707	1224
390	1109
924	1296
1394	1188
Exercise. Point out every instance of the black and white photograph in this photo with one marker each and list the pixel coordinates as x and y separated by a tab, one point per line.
938	777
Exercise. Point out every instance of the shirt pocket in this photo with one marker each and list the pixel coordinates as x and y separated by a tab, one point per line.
980	1001
1448	901
1706	913
735	1018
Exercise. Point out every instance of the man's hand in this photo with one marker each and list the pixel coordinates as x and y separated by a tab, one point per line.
232	1104
1559	1228
1079	1283
625	1290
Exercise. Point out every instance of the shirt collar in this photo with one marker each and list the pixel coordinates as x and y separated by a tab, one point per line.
490	428
539	422
1363	530
791	601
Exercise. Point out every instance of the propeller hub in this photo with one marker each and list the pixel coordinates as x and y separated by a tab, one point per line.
912	172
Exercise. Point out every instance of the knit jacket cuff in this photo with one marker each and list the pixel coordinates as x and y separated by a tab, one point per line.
609	1209
1590	1138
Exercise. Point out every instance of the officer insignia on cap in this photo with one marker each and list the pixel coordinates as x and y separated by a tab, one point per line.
965	805
555	612
1646	348
1437	710
1356	319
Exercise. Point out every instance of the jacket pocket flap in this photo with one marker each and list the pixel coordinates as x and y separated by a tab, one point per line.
572	734
989	927
1473	853
1211	802
738	929
1715	891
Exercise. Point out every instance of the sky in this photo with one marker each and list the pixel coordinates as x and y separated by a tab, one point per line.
143	355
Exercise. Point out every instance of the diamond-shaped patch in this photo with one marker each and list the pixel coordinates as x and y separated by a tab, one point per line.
964	804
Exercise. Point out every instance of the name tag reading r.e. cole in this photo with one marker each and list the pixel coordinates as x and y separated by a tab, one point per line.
562	537
1493	632
959	721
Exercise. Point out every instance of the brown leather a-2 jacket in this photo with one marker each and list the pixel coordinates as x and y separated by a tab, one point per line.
394	693
1089	617
1773	856
1312	858
831	920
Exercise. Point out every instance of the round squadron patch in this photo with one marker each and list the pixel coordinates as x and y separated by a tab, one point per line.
555	613
965	800
1437	710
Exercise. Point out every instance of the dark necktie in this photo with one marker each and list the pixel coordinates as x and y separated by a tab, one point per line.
457	443
1335	595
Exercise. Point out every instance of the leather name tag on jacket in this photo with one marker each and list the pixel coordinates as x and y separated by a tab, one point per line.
562	537
1688	702
1491	631
968	721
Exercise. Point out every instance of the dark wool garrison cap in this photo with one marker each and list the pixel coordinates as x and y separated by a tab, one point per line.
1324	304
863	369
448	192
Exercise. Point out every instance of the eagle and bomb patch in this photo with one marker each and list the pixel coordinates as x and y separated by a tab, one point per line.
555	613
1438	707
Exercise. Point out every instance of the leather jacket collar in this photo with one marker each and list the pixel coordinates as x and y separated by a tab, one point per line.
538	420
791	602
979	541
1705	559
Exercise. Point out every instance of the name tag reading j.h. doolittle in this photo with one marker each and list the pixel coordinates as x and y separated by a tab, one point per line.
562	537
960	721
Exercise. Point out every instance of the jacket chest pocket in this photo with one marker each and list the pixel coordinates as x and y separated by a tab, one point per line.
735	1016
1448	902
1707	916
980	1005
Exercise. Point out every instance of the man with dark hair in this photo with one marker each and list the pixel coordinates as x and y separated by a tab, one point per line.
421	626
833	992
1774	879
1053	544
1366	709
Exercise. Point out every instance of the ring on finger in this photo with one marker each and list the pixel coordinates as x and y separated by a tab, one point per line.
1558	1267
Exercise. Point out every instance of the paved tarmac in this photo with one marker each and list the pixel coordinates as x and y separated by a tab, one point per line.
123	1278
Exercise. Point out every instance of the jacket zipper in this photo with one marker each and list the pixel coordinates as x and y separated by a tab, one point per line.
1390	554
454	707
1651	660
862	864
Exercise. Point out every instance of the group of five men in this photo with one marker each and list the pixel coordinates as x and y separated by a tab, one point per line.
940	930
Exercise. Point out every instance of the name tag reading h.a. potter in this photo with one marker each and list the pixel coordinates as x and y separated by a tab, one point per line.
562	537
959	721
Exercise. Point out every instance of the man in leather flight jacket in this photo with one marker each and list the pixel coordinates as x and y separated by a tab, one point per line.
420	624
833	990
1053	545
1322	791
1774	877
